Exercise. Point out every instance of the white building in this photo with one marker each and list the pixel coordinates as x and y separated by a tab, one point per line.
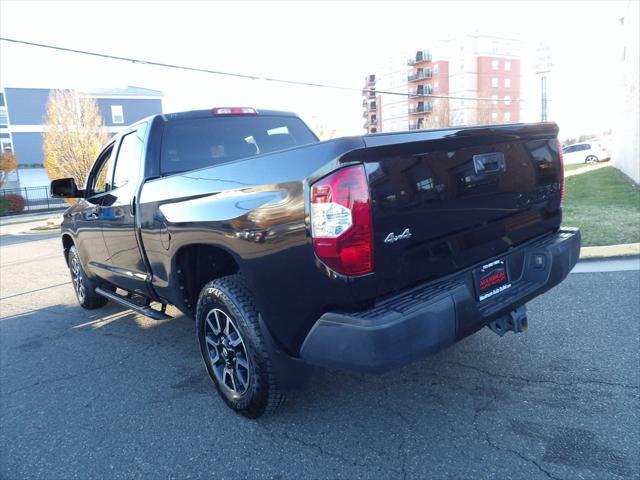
626	133
391	76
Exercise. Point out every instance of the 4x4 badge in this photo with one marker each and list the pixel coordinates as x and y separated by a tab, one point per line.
394	238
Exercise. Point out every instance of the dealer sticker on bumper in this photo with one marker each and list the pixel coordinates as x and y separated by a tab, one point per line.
491	279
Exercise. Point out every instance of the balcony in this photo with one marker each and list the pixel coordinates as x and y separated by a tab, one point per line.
421	91
373	107
421	56
370	122
419	76
371	79
372	94
420	108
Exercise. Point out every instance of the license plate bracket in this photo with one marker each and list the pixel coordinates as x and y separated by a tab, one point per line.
491	279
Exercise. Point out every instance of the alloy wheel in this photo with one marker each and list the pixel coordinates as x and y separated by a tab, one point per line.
76	275
227	353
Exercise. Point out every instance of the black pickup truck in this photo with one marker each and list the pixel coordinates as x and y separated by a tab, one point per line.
359	253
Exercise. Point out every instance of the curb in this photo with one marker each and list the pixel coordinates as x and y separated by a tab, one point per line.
610	251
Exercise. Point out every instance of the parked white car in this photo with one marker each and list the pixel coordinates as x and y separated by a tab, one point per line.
589	152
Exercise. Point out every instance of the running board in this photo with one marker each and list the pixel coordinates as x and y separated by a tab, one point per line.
125	302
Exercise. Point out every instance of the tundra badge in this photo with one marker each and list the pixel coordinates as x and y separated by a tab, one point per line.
391	238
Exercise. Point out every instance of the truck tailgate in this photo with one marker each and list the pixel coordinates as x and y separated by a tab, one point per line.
446	199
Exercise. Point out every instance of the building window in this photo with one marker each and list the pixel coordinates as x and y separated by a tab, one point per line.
507	83
494	47
507	100
435	69
507	116
4	117
494	82
507	66
6	145
116	114
494	64
494	115
436	87
494	99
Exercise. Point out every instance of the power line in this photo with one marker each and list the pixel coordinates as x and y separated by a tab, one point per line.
233	74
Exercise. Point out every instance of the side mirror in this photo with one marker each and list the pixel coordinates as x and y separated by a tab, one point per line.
65	188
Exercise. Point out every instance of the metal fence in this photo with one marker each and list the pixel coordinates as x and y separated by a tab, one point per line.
28	199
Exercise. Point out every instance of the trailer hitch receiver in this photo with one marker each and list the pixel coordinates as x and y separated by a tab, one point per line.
515	321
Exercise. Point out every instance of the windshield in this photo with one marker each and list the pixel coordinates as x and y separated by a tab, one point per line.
195	143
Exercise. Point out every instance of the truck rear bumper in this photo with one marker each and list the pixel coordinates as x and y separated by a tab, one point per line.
427	318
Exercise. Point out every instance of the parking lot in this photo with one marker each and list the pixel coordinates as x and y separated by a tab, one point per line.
110	394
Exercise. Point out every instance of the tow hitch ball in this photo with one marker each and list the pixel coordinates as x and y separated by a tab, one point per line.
515	321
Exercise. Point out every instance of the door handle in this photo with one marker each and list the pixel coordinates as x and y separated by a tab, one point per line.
489	163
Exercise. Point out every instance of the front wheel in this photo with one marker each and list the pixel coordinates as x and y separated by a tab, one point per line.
83	286
591	159
233	350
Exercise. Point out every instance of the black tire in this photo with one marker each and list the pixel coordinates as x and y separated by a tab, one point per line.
236	358
591	159
83	285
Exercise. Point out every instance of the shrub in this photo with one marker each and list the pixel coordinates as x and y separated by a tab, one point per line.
11	203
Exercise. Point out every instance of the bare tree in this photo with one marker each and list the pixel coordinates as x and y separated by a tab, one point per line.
8	165
485	111
439	116
74	135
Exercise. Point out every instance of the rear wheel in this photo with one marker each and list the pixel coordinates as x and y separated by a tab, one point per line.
83	285
233	350
591	159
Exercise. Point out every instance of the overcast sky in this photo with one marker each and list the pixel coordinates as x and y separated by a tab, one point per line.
328	42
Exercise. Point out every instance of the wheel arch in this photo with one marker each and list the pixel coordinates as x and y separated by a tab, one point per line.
197	264
67	243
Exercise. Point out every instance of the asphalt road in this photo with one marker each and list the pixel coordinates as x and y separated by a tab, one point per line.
110	394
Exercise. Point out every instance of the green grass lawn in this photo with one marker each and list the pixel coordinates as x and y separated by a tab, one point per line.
605	205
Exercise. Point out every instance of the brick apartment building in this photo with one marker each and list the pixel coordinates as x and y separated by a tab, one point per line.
437	88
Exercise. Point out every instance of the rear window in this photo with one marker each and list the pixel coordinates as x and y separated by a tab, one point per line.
194	143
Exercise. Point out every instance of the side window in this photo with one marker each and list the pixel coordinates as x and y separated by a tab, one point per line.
99	181
128	161
586	146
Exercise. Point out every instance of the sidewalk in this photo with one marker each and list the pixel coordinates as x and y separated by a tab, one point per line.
30	217
586	168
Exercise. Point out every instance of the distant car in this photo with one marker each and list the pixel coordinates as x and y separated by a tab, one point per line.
591	152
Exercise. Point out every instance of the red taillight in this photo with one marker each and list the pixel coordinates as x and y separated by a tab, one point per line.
234	111
561	171
341	224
